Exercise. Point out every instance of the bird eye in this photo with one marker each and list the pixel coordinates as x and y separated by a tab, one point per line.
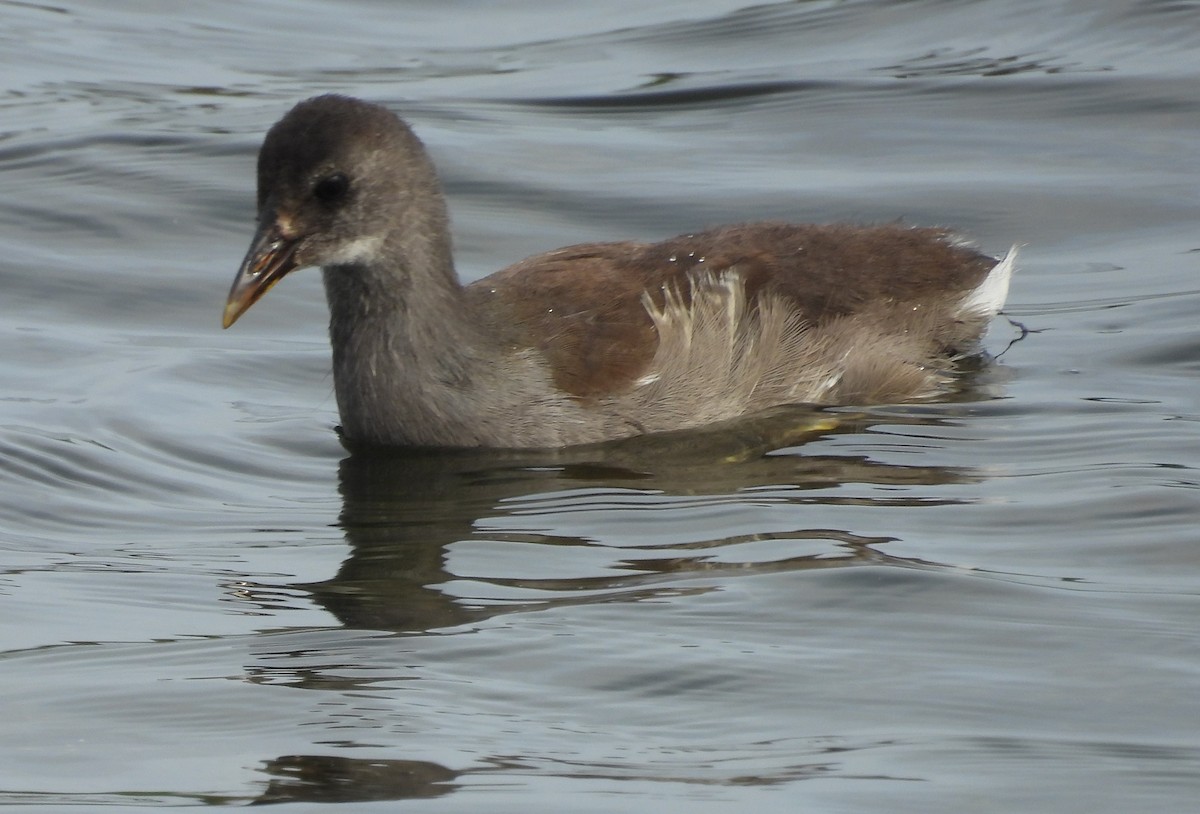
331	188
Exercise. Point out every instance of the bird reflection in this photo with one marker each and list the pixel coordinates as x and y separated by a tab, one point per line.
329	779
402	509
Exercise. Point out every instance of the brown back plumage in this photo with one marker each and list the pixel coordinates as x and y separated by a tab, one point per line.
582	308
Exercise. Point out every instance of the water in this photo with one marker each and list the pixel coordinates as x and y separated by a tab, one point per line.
987	604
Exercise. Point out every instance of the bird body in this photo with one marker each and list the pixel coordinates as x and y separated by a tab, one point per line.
596	341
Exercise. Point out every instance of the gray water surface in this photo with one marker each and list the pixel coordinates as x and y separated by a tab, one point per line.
984	604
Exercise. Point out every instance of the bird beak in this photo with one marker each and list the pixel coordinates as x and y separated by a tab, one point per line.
271	256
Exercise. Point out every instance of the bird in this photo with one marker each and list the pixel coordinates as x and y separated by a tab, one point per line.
596	341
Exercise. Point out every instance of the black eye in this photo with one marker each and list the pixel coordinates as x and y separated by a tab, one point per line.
331	188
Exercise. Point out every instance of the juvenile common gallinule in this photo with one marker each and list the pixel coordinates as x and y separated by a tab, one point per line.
600	340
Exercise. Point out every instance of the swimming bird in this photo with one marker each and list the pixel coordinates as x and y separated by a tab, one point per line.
596	341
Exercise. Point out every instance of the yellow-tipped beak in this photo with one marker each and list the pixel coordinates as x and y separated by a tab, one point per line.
269	259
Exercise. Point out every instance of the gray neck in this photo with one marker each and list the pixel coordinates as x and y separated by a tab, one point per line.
408	357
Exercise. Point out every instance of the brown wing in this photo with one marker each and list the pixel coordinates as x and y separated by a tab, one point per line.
581	306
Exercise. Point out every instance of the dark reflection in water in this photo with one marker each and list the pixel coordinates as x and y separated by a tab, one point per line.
325	779
402	509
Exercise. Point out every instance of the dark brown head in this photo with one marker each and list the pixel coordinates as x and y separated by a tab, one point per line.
337	177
